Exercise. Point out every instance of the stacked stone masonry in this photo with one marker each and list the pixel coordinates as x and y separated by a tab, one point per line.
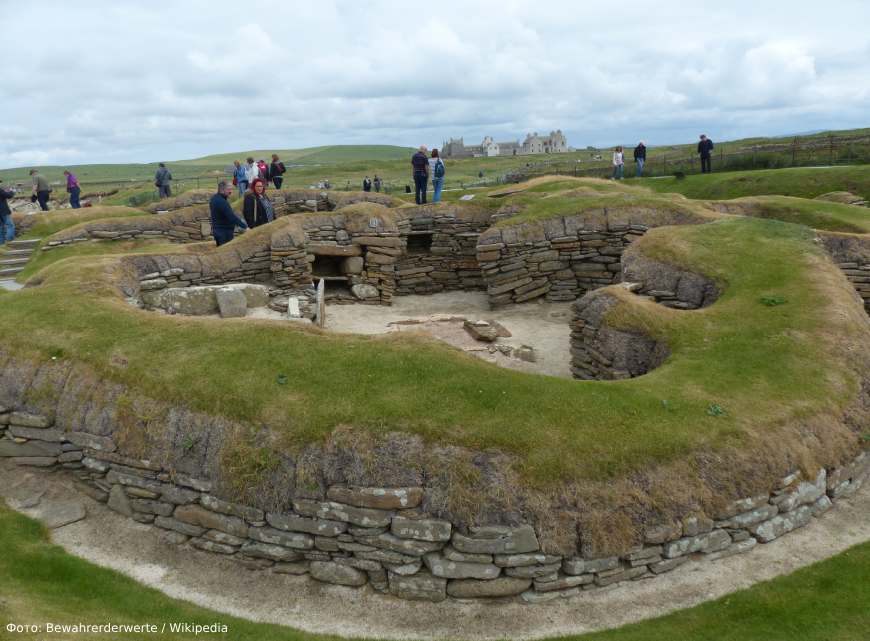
380	537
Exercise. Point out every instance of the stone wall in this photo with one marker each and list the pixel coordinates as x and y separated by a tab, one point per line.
384	538
602	352
187	225
851	254
447	257
559	258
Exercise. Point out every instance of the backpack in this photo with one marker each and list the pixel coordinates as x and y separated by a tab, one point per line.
439	169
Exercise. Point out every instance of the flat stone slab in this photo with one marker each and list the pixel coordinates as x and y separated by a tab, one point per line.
56	514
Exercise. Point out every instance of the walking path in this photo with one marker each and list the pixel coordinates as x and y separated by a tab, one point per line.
13	259
110	540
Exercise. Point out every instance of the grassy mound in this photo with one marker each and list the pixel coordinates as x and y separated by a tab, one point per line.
803	182
44	224
767	366
822	215
40	582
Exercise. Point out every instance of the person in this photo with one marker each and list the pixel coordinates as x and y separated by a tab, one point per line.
367	184
223	218
161	180
420	174
436	170
251	171
618	164
240	177
41	189
7	227
705	148
276	171
639	159
73	189
262	170
256	207
377	183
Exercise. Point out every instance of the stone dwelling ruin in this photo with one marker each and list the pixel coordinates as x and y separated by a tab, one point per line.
390	510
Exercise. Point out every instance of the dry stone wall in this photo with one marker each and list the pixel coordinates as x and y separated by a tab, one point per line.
560	258
851	254
384	537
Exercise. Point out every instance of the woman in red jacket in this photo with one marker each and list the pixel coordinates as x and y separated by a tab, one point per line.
256	207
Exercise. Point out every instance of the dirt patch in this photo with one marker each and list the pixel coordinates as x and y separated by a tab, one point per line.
540	325
113	541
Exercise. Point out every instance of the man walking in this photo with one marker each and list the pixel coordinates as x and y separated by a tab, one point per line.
377	183
420	173
7	227
161	180
40	189
276	171
639	159
223	219
705	149
73	189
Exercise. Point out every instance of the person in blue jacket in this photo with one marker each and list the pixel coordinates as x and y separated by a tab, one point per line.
223	219
705	150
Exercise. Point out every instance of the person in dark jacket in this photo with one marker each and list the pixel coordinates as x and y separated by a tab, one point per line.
41	189
276	171
223	218
639	159
705	150
256	207
420	174
367	184
162	178
7	227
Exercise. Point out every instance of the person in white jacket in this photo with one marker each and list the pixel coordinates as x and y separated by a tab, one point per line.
618	164
251	171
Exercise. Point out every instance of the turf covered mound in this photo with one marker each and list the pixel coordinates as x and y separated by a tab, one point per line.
768	379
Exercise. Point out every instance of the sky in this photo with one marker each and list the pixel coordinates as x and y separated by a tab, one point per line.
135	81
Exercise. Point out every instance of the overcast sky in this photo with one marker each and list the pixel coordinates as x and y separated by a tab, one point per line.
137	81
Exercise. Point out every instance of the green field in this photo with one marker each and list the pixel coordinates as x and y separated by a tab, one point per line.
345	166
40	582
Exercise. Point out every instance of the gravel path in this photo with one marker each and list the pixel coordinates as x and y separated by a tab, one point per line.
113	541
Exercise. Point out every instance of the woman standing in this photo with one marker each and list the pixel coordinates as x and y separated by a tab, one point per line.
257	208
436	170
618	164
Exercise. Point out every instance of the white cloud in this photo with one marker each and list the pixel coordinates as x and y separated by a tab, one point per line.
135	81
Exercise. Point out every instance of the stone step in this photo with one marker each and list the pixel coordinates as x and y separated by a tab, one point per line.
14	261
24	244
17	253
11	271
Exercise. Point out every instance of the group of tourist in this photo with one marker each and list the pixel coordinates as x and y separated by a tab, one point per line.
245	175
705	151
367	183
422	168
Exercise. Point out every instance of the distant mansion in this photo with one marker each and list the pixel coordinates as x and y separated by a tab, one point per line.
555	143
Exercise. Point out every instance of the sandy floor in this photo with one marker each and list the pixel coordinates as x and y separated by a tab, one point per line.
540	325
111	540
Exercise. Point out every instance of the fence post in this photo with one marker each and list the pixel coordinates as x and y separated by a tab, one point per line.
794	151
831	140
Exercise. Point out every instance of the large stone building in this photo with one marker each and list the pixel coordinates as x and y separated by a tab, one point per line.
533	144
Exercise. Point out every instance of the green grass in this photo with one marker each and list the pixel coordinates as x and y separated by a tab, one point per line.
93	249
812	213
40	582
765	367
803	182
44	224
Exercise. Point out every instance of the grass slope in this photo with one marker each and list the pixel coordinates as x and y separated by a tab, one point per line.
803	182
764	365
40	582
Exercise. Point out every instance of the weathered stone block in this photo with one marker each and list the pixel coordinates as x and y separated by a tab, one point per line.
279	537
270	551
296	523
420	587
563	583
421	529
501	587
439	566
197	515
330	572
497	539
26	419
234	509
231	303
781	524
583	566
377	497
